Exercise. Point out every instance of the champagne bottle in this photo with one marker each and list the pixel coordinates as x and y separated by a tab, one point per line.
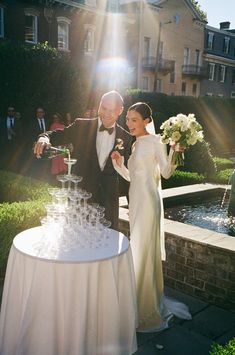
52	152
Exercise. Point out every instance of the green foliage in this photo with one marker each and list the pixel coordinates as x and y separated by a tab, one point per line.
198	158
39	75
199	10
221	177
14	218
227	349
181	178
18	216
15	187
223	163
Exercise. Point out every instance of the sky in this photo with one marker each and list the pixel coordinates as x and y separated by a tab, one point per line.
219	11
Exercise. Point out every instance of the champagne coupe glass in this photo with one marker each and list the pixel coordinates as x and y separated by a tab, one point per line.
52	191
76	179
62	178
70	162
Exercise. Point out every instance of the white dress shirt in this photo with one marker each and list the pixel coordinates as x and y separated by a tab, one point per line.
104	144
10	125
41	123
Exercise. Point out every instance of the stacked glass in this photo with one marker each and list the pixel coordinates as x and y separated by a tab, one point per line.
71	222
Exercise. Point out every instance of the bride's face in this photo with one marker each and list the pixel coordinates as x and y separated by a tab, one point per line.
136	123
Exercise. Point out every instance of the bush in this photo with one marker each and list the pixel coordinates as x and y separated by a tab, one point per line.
181	178
15	187
222	177
14	218
199	159
223	163
227	349
18	216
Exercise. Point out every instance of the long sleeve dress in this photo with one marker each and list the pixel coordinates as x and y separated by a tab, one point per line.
146	164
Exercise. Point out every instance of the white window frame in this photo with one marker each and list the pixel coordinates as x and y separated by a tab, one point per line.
226	44
232	94
209	94
159	86
211	71
197	57
186	56
1	22
147	47
89	42
210	40
34	14
63	38
145	83
222	72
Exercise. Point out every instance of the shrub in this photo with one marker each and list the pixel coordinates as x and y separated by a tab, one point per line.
199	159
14	218
227	349
223	163
181	178
222	177
15	187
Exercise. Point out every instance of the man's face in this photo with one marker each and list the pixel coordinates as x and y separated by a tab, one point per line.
40	113
11	112
109	111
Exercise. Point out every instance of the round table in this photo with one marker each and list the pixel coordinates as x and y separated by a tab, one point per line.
77	302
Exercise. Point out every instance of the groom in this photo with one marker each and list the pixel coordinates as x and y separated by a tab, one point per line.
93	141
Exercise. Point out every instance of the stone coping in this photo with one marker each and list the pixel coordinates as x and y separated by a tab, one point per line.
187	231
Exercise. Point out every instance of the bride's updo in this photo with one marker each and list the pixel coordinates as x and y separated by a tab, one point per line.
143	109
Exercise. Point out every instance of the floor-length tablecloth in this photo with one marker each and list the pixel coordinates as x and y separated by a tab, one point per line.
68	306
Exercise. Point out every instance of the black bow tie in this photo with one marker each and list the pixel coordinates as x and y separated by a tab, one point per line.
109	130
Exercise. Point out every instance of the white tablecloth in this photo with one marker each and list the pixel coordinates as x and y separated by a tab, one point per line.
79	303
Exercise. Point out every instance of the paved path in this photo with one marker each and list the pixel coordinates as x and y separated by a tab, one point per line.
209	324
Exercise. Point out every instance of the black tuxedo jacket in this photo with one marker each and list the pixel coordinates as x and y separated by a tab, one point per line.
34	130
104	185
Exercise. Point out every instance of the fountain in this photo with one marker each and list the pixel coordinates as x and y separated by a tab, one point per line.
231	205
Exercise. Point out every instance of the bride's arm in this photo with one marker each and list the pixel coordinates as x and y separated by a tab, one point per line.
165	162
118	164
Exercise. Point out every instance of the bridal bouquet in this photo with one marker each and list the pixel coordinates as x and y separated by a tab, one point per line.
181	130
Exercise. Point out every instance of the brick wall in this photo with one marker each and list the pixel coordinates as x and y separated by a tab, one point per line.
198	269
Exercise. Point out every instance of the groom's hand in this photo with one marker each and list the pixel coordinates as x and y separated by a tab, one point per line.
40	145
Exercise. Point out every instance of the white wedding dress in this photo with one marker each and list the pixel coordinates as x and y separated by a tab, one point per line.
146	164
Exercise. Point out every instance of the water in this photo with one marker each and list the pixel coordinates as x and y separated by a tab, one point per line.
207	214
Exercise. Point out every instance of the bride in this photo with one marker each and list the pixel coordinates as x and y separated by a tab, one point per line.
146	164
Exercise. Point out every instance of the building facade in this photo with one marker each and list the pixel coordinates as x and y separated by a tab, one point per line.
219	56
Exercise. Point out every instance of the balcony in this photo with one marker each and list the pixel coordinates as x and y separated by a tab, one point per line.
164	65
194	70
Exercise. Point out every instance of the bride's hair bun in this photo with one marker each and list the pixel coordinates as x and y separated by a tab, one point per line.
143	109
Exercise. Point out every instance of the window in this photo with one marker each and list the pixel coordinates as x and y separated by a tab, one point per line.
210	40
89	42
211	71
112	5
63	33
1	22
222	72
233	77
209	94
233	94
31	26
197	57
186	56
226	45
159	85
194	89
172	74
91	2
183	88
146	47
160	55
145	83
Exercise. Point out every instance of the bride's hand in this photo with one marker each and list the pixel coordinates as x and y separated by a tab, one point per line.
117	157
177	147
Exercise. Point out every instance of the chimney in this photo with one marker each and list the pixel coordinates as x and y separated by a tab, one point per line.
225	25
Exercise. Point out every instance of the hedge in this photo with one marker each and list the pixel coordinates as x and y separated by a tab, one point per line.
223	163
181	178
227	349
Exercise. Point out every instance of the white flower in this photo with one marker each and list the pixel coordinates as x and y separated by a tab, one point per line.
175	136
119	144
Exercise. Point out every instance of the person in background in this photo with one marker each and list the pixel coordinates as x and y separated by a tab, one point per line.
57	163
68	119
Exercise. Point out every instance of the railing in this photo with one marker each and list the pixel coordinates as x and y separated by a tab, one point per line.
194	70
164	65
